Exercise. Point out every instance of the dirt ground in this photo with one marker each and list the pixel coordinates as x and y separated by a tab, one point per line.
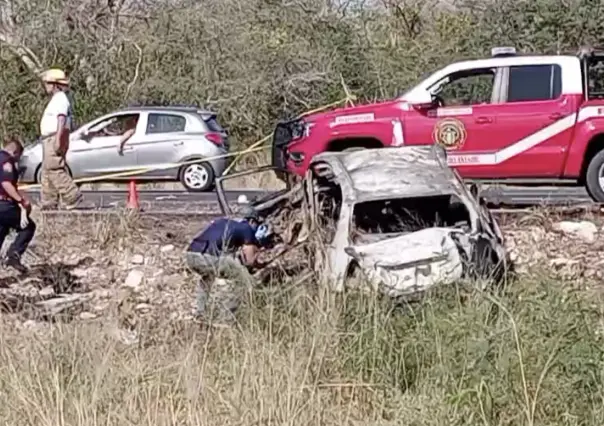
127	267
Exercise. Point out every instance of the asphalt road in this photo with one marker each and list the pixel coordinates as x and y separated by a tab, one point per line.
158	200
186	201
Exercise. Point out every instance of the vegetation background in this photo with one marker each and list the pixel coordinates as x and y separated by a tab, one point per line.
256	61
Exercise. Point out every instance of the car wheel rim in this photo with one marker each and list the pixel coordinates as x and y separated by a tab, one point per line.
196	176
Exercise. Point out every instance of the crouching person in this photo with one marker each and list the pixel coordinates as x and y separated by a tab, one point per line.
14	207
223	254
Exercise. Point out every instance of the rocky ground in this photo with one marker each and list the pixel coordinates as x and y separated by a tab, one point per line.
568	247
123	269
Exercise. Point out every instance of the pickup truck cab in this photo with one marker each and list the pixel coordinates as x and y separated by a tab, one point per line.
510	118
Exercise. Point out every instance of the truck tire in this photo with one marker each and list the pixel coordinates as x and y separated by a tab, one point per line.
595	170
353	149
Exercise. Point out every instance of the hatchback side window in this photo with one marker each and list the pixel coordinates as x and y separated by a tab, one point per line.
534	83
165	123
116	125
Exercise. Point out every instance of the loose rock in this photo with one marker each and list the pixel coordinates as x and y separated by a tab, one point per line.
134	280
585	230
167	248
87	316
47	292
143	307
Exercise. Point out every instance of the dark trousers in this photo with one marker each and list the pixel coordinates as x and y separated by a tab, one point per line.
10	218
223	284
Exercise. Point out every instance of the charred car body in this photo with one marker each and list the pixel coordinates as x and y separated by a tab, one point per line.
399	216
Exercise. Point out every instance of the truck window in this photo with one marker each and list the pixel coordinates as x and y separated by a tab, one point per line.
596	80
468	87
534	83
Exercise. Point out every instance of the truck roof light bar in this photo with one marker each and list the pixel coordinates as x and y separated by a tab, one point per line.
503	51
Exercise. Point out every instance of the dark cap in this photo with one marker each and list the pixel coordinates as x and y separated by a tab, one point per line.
250	213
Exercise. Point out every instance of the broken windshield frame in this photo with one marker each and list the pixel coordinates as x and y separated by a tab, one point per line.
221	193
385	217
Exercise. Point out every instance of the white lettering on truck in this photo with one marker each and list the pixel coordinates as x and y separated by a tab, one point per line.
353	119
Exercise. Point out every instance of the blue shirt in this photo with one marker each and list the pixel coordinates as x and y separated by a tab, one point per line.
9	172
223	235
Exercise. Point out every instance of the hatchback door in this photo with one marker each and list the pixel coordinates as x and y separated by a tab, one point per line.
99	154
160	143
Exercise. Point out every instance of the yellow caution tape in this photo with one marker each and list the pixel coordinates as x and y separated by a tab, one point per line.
237	154
140	171
245	151
346	100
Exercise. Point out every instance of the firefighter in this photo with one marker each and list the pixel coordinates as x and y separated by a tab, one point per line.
14	207
223	255
55	127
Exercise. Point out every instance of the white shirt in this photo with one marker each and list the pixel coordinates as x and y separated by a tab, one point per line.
59	105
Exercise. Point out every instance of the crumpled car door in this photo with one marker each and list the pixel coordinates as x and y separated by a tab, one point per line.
228	200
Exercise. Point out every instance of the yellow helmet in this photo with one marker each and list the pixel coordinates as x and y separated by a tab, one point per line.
55	75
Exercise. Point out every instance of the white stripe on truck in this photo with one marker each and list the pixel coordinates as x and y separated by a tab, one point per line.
523	145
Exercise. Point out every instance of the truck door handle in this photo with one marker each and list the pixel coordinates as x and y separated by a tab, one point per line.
484	120
555	116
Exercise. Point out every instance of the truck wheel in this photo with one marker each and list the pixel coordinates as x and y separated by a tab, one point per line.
353	149
594	178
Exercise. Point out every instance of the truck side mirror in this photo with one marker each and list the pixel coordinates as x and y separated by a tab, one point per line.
423	101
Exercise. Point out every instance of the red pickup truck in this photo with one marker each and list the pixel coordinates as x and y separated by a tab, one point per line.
508	118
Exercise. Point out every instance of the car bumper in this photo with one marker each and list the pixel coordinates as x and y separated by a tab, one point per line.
284	134
220	164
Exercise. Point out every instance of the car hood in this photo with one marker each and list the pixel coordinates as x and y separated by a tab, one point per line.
413	262
379	108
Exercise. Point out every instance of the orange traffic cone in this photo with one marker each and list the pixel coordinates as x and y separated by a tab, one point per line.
132	202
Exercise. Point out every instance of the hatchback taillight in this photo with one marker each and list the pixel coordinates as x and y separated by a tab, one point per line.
215	138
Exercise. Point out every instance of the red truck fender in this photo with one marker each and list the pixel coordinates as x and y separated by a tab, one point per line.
376	134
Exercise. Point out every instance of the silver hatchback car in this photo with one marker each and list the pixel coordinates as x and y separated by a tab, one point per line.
163	136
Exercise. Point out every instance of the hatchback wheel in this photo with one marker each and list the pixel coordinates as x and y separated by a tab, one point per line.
197	177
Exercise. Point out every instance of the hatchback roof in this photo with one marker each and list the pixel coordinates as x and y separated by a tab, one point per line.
175	108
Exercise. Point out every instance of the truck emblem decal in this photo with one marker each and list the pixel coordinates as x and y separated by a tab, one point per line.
353	119
449	132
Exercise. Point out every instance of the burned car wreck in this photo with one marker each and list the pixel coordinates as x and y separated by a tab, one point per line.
399	217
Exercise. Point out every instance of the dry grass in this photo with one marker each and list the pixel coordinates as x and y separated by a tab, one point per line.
306	358
529	355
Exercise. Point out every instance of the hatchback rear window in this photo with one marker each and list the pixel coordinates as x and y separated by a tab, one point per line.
213	125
